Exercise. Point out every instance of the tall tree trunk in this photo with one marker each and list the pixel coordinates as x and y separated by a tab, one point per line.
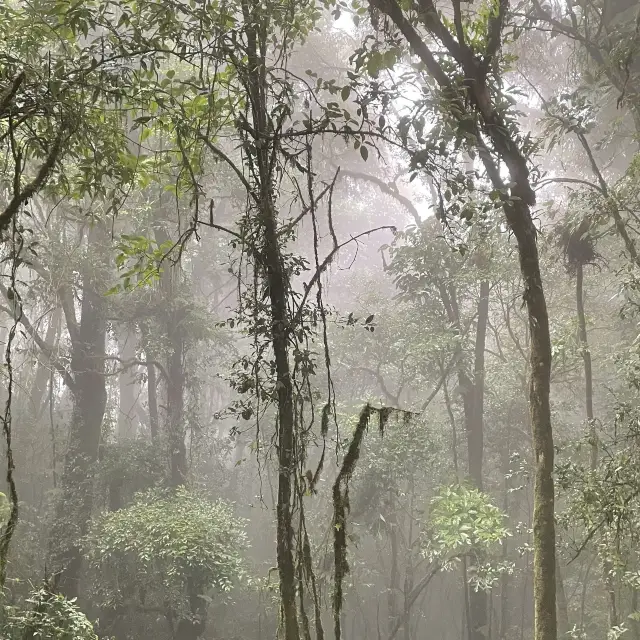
478	599
272	264
152	399
473	405
152	384
607	566
37	402
278	287
635	625
586	358
175	404
89	402
544	540
392	589
505	580
475	431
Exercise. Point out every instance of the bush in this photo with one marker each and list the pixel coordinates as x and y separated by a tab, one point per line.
51	617
167	547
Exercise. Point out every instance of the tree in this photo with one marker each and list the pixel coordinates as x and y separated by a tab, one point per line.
180	547
469	85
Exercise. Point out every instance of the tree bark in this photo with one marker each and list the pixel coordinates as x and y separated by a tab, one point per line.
478	598
152	385
586	358
635	625
392	589
127	385
37	402
505	579
272	265
607	566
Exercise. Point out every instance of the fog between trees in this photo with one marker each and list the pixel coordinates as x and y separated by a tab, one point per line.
319	319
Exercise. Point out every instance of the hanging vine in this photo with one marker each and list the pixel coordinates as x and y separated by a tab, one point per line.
17	243
341	500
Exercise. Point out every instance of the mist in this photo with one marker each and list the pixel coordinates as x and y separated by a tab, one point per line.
319	320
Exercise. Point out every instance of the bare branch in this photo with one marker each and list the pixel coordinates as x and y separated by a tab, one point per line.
585	183
221	154
327	261
135	362
385	188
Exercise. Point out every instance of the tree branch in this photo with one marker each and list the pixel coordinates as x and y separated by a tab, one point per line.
9	93
221	154
21	196
326	262
496	22
42	345
385	188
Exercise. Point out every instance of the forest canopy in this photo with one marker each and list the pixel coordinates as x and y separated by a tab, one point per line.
319	319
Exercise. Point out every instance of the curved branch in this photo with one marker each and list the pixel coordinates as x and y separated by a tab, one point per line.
412	597
327	261
135	362
585	183
9	93
386	189
222	155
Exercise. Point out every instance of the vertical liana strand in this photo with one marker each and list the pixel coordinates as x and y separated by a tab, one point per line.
9	530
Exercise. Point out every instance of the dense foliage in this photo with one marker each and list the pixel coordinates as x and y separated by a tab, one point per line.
320	319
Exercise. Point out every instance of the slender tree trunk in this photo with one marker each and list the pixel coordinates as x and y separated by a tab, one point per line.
607	566
544	541
585	589
473	405
475	432
478	599
474	106
609	582
278	286
408	560
392	591
175	406
37	402
505	580
635	625
466	599
152	386
586	358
